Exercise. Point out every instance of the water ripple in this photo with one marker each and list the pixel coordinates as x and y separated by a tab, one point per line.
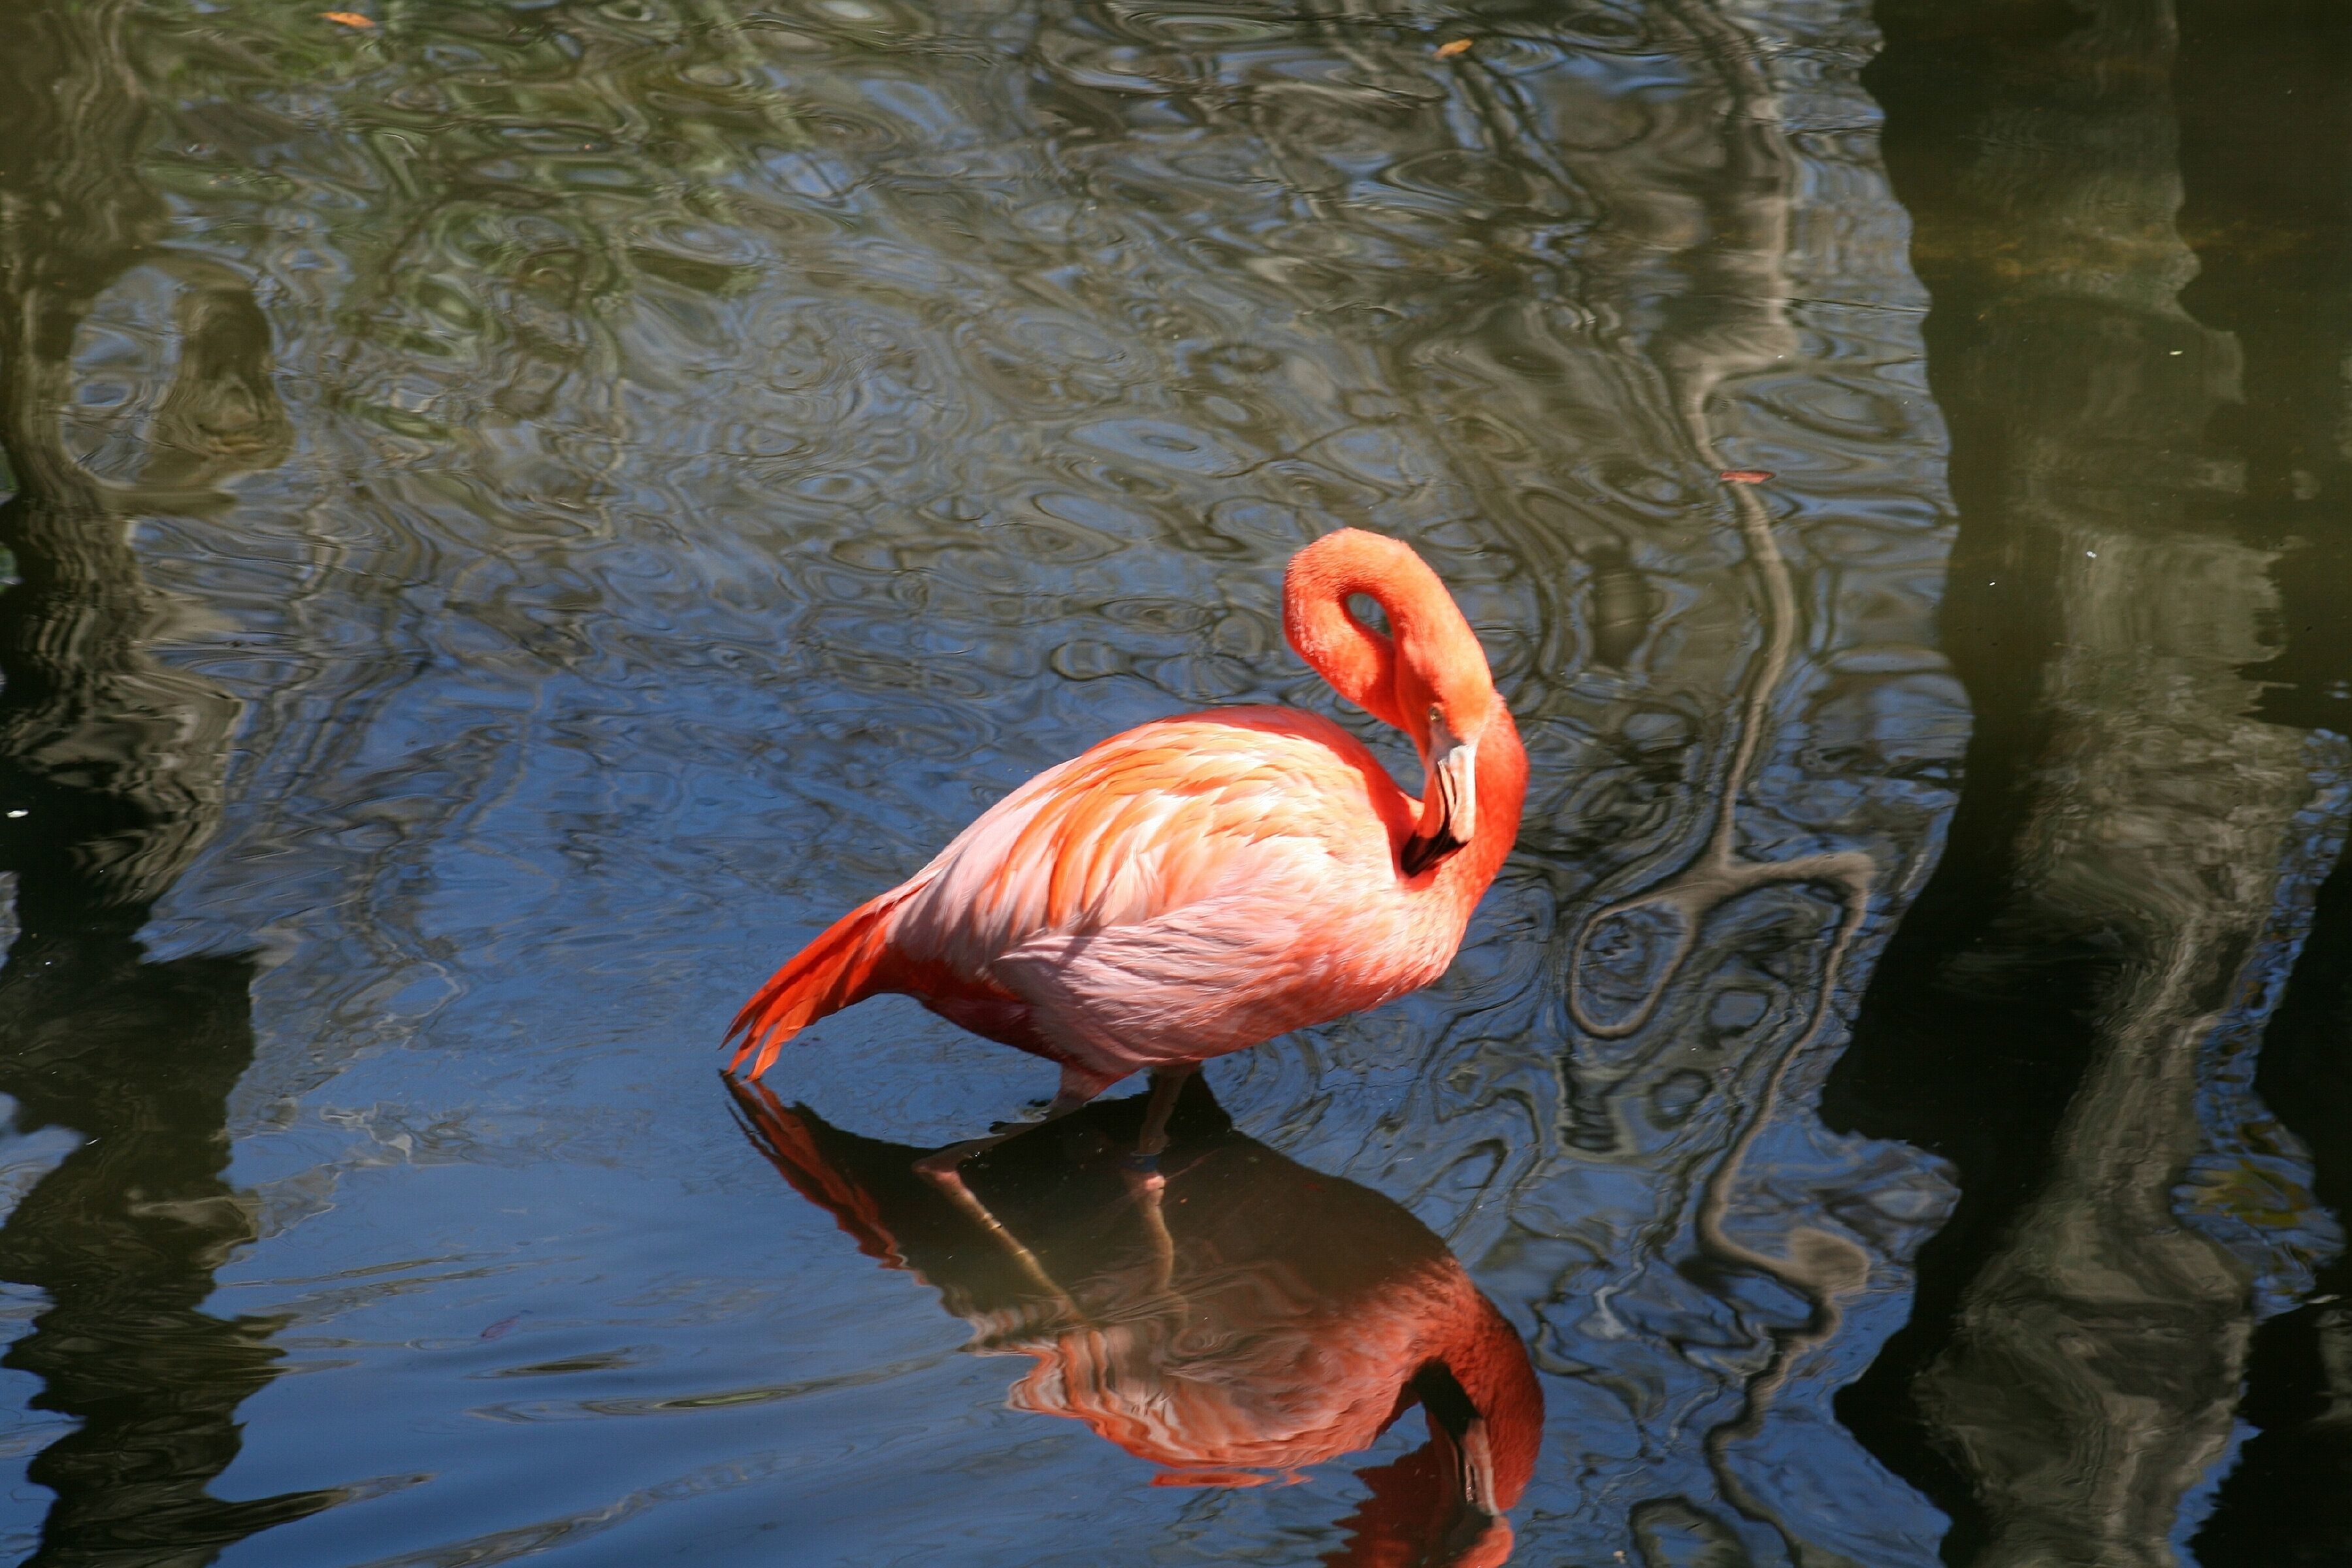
725	451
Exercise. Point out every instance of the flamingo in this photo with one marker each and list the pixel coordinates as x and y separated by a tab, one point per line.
1302	1316
1199	884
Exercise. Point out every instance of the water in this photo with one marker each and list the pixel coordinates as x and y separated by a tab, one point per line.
524	513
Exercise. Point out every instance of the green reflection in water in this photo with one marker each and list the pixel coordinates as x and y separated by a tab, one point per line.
2075	1008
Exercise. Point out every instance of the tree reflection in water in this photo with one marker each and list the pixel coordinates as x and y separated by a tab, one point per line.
1298	1315
2266	96
2072	1009
110	766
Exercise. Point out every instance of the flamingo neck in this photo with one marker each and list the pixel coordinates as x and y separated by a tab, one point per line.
1358	662
1434	655
1361	664
1487	1359
1502	794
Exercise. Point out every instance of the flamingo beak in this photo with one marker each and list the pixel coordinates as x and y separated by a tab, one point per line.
1479	1534
1449	811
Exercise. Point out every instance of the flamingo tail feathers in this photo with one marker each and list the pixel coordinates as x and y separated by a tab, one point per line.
832	973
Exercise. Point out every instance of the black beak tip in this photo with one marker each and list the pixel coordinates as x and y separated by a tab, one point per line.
1420	855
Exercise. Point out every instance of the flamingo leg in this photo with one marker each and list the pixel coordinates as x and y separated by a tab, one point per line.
944	1170
1167	1084
1143	1167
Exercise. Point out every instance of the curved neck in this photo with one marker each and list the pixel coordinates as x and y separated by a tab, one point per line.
1487	1357
1433	668
1360	663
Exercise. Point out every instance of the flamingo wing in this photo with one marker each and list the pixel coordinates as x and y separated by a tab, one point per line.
1164	882
1147	822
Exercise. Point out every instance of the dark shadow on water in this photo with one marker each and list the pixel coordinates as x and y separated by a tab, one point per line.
2071	1013
113	762
123	1236
2266	95
2288	1504
111	768
138	1058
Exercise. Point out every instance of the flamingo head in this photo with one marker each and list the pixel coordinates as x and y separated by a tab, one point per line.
1451	724
1445	699
1427	675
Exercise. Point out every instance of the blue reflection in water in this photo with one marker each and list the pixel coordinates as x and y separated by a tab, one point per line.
708	456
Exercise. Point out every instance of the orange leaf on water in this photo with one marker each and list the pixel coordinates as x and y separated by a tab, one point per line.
1745	476
348	18
1459	46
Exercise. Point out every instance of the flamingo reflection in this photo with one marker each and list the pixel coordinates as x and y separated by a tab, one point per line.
1281	1317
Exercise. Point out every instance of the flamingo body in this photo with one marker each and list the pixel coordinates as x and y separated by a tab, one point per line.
1199	884
1187	888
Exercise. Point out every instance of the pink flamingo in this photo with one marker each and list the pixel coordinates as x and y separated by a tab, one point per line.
1199	884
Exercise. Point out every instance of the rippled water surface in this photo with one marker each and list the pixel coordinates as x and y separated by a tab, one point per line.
524	513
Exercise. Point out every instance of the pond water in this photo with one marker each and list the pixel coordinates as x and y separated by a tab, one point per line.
522	513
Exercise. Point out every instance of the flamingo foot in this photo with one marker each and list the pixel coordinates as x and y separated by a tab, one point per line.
1147	1187
944	1170
1144	1180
